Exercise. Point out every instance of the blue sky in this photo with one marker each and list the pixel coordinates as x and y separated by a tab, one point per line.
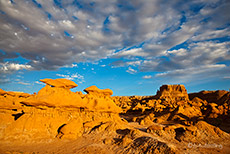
131	47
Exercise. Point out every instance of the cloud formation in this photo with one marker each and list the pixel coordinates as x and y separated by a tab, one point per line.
194	73
7	68
147	77
169	38
131	70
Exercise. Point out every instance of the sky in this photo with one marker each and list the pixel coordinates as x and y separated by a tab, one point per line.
132	47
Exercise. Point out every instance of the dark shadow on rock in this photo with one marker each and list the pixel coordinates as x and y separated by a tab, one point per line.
59	129
18	115
96	127
142	129
174	112
165	111
179	133
123	131
222	122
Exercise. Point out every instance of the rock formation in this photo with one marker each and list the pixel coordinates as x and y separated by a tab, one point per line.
57	94
172	93
60	83
57	120
219	96
93	90
171	115
54	111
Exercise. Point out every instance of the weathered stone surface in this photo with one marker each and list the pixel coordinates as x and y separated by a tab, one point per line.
93	90
72	129
189	111
11	100
147	145
172	93
55	97
61	83
54	111
203	132
219	96
60	96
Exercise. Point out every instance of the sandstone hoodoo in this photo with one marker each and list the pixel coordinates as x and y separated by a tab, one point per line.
57	93
99	99
57	120
54	111
93	90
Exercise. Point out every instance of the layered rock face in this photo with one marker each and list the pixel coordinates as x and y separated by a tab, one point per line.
172	93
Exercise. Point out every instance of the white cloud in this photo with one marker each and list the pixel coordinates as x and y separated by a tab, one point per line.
134	63
39	82
71	66
149	65
76	76
121	63
147	77
194	73
102	65
11	67
131	52
131	70
179	52
65	76
207	34
193	70
24	83
196	55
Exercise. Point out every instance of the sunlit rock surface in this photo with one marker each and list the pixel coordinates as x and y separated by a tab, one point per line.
172	93
172	121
